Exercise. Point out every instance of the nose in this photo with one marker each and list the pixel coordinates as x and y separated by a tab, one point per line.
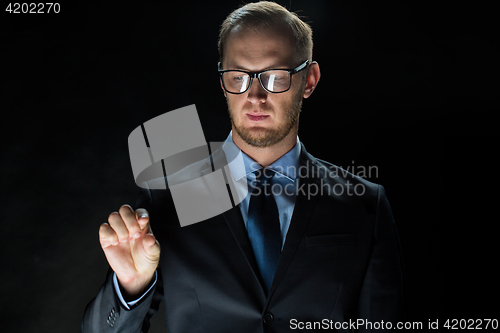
256	94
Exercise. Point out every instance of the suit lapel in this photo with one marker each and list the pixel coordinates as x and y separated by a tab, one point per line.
235	222
302	212
233	217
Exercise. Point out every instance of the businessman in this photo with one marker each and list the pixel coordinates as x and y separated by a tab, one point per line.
310	246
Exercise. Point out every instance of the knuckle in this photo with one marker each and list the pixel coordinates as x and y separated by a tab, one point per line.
108	235
105	230
125	209
113	217
117	226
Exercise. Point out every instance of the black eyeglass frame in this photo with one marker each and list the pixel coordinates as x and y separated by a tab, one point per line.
254	75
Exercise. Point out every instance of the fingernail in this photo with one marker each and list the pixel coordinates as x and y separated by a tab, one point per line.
137	235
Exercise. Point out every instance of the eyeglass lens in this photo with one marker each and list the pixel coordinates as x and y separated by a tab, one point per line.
274	81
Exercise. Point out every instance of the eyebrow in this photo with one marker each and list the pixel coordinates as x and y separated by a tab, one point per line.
240	68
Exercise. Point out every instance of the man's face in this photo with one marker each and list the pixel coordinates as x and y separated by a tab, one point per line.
260	118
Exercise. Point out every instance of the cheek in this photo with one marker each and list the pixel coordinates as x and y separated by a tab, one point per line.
235	101
233	106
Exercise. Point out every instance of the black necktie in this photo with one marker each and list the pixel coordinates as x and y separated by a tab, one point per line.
263	227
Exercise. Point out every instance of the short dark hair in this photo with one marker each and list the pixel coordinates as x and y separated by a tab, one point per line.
267	14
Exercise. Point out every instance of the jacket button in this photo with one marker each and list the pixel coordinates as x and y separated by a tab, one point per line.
268	318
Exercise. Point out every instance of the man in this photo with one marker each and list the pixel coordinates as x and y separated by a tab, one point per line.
273	263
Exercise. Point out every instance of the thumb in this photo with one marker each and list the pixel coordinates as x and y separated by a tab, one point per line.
151	246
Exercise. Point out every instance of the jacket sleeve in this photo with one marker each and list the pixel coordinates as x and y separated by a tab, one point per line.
382	292
106	313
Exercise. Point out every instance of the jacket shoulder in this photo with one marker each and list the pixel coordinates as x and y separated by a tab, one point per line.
336	177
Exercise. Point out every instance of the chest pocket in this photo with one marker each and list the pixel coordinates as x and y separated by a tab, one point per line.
330	240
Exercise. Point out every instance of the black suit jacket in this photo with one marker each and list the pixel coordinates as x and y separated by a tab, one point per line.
341	261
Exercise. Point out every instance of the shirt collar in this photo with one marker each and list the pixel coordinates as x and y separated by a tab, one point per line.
285	167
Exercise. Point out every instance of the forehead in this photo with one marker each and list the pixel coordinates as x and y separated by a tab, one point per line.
253	49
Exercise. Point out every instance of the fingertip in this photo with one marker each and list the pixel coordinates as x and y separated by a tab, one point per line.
107	236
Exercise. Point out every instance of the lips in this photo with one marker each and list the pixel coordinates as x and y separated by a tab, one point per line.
257	116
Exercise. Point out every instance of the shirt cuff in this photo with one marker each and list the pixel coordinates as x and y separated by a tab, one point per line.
127	305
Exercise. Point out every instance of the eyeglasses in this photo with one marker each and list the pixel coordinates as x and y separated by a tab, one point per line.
272	80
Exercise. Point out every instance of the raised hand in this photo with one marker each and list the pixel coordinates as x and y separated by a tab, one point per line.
131	249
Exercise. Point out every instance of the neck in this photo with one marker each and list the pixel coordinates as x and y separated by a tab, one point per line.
265	156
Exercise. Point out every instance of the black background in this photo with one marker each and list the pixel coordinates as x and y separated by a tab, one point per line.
410	87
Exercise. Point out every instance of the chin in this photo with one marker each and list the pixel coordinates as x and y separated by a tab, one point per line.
261	137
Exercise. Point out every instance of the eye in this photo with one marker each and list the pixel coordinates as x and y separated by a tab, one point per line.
280	77
237	76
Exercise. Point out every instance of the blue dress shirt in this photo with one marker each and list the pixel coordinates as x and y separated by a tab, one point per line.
285	181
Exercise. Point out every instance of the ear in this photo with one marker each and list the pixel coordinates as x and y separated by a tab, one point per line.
313	76
222	86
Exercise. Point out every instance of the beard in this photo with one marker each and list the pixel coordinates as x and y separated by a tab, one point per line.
267	137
